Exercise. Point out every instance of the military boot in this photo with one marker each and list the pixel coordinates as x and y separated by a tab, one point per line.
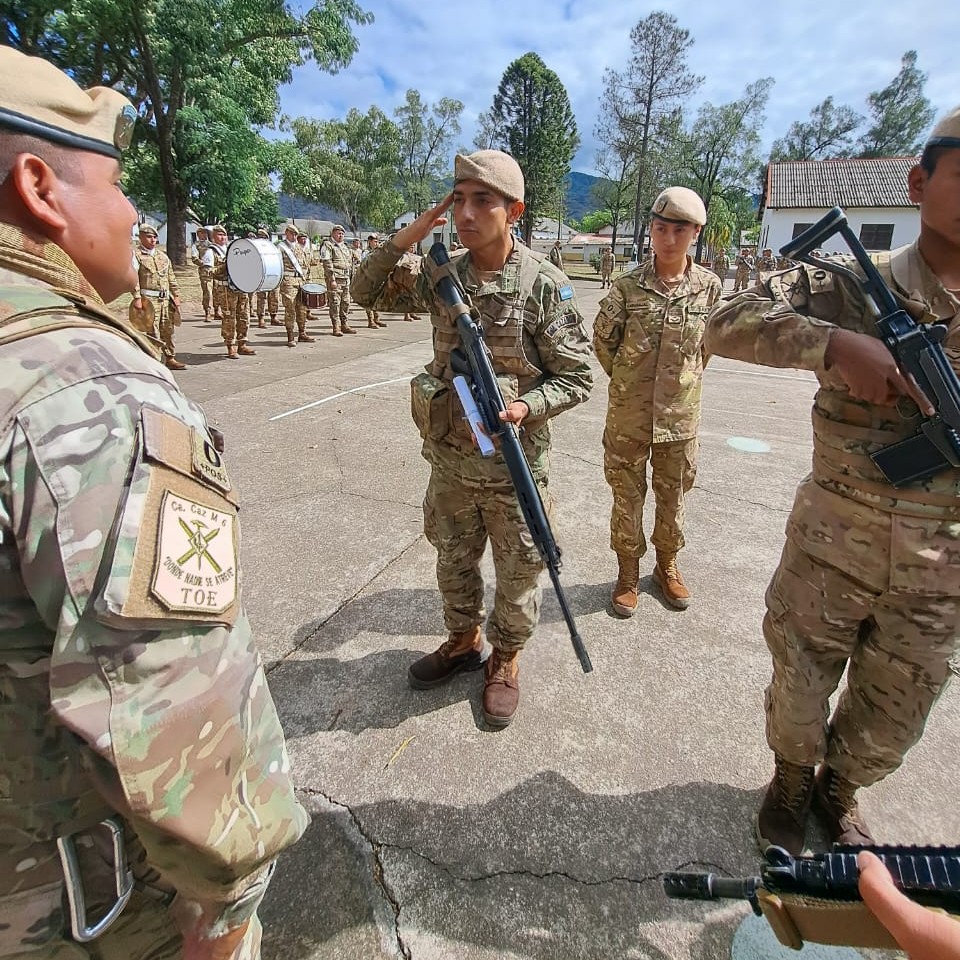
291	339
835	803
232	351
378	321
260	321
782	820
174	364
465	650
667	577
245	351
501	688
336	330
346	328
304	337
624	595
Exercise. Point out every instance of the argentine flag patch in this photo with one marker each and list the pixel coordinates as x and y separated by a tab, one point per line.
566	293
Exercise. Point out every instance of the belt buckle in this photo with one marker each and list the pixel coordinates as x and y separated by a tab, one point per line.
81	929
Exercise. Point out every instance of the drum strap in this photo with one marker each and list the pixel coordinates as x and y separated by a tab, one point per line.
291	256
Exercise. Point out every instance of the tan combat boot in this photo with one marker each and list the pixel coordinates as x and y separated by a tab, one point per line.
835	803
260	321
304	337
291	339
346	328
245	351
782	820
377	320
174	364
466	650
232	351
501	688
336	330
668	578
624	595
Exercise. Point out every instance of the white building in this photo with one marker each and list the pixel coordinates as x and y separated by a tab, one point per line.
872	193
445	234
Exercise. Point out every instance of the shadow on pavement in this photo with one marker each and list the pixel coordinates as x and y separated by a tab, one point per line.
541	871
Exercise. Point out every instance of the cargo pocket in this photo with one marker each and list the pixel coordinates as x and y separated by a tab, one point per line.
430	406
925	557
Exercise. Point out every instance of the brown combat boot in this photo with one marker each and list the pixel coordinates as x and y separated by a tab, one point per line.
466	650
336	330
346	328
246	351
667	577
782	820
291	339
274	322
501	688
835	803
305	337
232	351
624	595
378	321
174	364
261	322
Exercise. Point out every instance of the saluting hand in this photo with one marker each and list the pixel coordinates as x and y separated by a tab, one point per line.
870	372
422	227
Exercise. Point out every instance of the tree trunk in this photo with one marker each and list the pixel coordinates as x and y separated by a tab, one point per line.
172	194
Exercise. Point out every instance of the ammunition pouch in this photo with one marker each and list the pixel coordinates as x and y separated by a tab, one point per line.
430	406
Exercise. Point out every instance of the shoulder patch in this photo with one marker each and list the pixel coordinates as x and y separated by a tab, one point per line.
566	292
553	329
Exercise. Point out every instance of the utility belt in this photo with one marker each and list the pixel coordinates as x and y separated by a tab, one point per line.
155	294
89	860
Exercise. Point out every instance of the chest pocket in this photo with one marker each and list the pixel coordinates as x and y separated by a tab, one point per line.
504	323
644	327
691	335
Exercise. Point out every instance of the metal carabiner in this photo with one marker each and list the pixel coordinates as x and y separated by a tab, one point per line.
80	928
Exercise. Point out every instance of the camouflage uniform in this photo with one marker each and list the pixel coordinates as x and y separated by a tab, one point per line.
606	267
540	353
197	250
765	266
373	317
212	268
270	300
131	687
744	264
337	261
649	340
721	264
295	271
156	284
869	575
556	256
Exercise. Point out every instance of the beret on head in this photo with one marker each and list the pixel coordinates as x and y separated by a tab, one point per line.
494	169
336	227
291	228
218	228
39	100
146	228
947	131
680	204
263	234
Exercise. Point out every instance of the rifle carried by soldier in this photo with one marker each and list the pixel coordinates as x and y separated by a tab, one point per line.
917	349
472	362
816	898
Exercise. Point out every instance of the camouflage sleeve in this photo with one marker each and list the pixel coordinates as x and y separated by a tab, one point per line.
174	286
388	281
564	350
129	549
785	321
608	327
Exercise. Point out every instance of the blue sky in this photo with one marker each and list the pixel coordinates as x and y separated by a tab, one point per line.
812	49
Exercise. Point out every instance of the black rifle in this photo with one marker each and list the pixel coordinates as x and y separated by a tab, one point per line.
475	362
928	875
918	350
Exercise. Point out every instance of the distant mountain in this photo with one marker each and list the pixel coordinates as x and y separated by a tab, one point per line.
579	200
300	209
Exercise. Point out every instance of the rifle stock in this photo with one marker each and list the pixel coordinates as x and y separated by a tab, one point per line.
490	402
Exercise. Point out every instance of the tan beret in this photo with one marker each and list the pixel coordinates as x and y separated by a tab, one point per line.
336	227
217	228
41	101
680	204
947	131
146	228
492	168
263	234
291	228
374	236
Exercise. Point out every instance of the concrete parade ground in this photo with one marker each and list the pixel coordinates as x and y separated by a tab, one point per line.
433	836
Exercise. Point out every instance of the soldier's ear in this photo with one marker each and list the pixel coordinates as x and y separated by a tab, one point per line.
40	191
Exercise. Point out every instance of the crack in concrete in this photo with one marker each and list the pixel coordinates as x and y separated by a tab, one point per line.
573	456
270	667
753	503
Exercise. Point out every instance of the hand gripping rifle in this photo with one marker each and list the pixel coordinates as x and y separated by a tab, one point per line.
473	361
816	898
918	350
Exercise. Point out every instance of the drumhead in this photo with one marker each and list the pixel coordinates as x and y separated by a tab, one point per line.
254	265
314	288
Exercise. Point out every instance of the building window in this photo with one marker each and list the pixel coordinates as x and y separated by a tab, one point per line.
876	236
799	228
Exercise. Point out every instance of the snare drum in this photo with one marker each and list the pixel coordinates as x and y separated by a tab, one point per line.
254	265
313	296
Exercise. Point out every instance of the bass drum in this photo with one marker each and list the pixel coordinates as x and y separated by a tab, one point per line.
314	296
254	265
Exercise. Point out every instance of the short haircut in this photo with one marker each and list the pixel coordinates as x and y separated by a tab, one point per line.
62	160
930	158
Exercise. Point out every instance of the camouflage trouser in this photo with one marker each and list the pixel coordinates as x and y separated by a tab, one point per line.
458	518
221	299
674	469
742	280
271	300
372	315
294	312
235	323
165	327
338	302
205	293
898	647
605	277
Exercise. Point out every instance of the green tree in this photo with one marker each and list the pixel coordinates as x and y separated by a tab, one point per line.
426	136
350	165
646	93
189	66
535	123
487	136
828	133
592	222
899	113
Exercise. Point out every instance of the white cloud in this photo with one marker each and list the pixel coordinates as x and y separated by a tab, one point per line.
460	50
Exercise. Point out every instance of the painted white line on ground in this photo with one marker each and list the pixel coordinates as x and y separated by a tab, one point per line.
757	373
336	396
